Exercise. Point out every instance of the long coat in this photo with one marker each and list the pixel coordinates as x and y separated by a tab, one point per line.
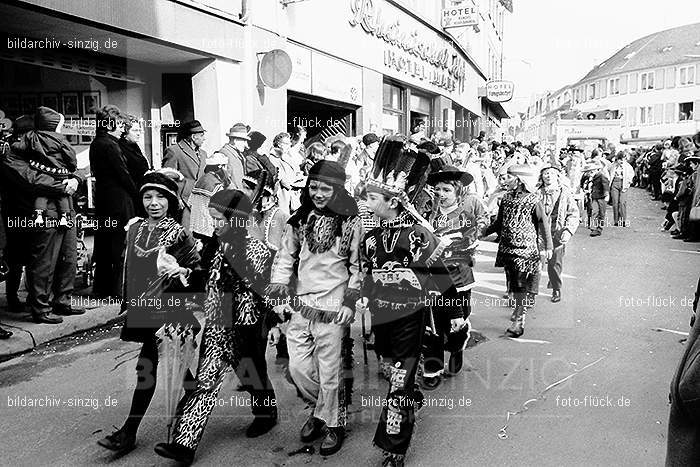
137	165
189	162
114	189
684	422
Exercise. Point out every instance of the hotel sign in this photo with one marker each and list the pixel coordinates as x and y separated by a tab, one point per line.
411	53
499	91
458	17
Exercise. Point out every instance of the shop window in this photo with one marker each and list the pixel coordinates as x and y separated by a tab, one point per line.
647	80
686	75
685	111
394	115
646	115
614	86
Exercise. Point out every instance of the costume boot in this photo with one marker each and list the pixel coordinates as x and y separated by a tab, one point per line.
518	327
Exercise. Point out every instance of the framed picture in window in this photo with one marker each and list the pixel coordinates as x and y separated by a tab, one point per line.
50	100
90	102
71	105
29	103
170	138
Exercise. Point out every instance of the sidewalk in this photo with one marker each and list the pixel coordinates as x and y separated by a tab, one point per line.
28	334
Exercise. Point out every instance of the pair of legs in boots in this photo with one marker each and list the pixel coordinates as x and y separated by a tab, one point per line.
316	368
241	348
441	340
123	440
524	287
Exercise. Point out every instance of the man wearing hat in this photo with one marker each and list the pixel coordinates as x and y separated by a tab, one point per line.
235	151
520	217
596	180
187	157
562	210
457	218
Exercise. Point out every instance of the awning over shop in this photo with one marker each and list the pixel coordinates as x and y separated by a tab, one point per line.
496	108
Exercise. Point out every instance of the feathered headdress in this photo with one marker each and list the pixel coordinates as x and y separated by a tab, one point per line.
399	170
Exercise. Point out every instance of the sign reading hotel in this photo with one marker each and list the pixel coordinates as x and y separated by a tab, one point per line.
499	91
409	52
457	17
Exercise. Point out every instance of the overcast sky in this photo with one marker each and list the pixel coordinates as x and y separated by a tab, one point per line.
553	43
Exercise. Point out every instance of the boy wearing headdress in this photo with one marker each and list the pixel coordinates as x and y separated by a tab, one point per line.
402	261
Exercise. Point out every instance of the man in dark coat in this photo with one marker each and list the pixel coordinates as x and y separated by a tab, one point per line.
186	157
114	194
52	249
684	422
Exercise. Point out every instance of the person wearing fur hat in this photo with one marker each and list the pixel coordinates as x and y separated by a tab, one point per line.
564	217
323	239
187	157
521	216
148	241
49	152
402	262
235	274
456	218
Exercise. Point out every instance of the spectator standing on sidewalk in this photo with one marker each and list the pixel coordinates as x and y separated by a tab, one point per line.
187	157
4	269
136	162
115	192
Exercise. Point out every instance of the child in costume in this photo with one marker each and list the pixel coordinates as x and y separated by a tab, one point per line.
235	331
323	239
520	216
456	218
402	261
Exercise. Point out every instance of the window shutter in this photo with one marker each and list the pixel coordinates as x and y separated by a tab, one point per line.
633	82
603	88
659	80
633	115
658	113
623	84
670	112
671	77
696	111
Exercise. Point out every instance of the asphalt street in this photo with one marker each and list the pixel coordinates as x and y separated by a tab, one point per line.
587	384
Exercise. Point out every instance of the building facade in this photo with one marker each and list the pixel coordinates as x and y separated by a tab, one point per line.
356	66
651	85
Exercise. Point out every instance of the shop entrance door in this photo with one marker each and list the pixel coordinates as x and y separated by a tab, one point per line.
322	118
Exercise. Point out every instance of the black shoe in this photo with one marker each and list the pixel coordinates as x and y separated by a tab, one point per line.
261	425
120	441
690	240
680	236
176	452
556	296
312	429
5	334
431	382
596	233
454	365
333	441
675	232
67	310
47	318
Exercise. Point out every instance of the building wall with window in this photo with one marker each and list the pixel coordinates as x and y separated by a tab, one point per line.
652	84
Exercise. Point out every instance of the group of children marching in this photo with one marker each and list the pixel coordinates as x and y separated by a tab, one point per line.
327	267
